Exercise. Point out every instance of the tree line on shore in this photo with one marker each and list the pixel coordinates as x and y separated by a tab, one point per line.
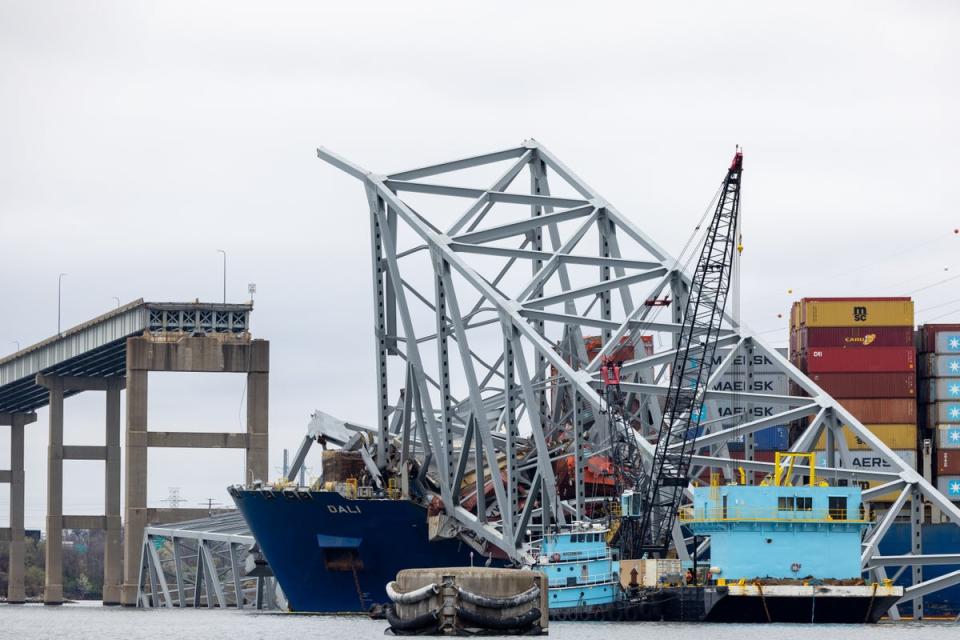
82	566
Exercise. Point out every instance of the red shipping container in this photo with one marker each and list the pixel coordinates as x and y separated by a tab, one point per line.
758	456
840	360
948	462
855	337
867	385
883	410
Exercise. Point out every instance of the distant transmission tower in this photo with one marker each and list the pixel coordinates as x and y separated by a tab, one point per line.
173	498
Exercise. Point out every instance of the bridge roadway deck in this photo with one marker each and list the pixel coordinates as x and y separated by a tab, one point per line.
114	351
97	348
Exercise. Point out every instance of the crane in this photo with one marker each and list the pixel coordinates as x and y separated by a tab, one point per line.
647	524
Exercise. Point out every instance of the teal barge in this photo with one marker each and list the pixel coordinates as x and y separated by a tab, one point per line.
787	553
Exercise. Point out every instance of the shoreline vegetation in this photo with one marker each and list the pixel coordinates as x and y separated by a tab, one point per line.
82	566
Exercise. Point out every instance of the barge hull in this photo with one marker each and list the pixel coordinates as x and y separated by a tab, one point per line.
821	610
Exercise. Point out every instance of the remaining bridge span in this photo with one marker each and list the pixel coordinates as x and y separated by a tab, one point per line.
97	348
110	353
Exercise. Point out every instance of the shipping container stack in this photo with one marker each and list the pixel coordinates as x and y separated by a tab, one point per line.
939	367
750	373
861	351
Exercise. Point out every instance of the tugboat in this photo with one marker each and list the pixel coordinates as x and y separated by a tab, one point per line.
583	578
582	574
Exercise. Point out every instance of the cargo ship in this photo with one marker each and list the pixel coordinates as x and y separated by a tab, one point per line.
333	553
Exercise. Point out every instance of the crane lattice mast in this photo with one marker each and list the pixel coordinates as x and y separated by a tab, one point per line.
661	488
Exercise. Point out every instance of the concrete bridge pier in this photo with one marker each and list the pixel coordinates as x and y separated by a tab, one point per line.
57	387
112	550
14	534
53	580
212	353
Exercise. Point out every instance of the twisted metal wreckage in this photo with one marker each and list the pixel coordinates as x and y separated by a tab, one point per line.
482	299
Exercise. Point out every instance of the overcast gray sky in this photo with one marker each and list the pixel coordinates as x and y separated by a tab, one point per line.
138	138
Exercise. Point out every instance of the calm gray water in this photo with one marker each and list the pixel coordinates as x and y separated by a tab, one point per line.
91	621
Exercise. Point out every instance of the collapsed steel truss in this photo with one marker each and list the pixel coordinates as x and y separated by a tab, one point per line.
212	562
482	297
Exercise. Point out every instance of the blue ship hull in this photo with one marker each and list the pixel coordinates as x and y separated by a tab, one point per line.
937	538
331	554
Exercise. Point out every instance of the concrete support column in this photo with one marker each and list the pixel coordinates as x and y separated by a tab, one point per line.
136	482
257	412
53	586
112	552
15	583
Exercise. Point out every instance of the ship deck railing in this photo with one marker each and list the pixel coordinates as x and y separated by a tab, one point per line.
577	556
768	514
596	579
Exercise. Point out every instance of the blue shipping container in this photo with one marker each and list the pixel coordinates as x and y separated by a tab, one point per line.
772	439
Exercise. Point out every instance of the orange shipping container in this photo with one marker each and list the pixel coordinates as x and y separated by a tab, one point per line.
622	353
882	410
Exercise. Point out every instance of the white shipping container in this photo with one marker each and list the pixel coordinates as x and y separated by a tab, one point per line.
948	436
932	366
723	409
775	384
940	412
734	407
870	461
935	389
757	363
949	486
657	571
947	342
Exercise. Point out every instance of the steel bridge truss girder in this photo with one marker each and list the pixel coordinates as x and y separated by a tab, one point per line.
547	244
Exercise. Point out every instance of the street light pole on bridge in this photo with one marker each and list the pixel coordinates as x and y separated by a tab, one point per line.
224	274
59	290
